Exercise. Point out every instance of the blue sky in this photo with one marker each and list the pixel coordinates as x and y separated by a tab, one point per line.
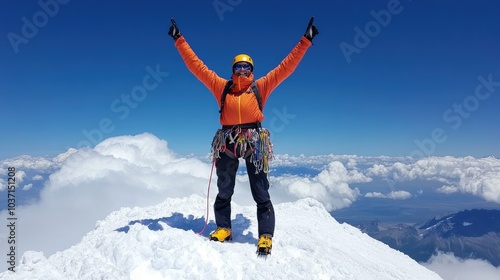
423	82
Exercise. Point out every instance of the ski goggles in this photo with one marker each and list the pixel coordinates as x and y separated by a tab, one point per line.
245	66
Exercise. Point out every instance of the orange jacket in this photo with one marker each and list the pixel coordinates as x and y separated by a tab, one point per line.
240	105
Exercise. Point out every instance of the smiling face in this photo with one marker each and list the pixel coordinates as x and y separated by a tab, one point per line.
242	69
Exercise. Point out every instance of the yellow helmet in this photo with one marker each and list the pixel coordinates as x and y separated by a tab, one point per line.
243	58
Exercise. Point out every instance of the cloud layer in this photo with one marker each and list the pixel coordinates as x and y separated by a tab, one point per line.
453	268
479	177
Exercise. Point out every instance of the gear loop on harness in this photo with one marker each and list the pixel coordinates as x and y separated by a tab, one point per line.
244	141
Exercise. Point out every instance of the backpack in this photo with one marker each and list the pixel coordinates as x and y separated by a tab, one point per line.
228	87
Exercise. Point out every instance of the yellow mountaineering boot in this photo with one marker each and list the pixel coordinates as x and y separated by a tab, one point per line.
264	245
221	234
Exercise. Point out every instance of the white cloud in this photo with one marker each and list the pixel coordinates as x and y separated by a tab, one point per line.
29	162
375	195
330	186
26	163
27	187
19	178
122	171
447	189
348	160
20	175
480	177
400	195
450	267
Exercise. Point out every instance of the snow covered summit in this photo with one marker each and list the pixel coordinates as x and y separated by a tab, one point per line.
160	242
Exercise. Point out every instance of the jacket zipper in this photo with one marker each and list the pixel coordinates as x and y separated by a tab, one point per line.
239	100
239	108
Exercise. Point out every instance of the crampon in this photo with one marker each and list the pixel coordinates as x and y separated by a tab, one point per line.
264	246
263	252
221	235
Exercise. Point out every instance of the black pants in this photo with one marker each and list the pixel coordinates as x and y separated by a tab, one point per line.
227	166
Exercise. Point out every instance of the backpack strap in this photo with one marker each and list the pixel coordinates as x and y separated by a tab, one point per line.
256	91
227	89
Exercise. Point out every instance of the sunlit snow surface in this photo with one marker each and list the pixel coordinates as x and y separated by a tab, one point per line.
161	242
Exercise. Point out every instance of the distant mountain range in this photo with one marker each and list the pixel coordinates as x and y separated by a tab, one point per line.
469	234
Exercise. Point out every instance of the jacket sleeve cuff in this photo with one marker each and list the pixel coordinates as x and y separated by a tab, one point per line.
179	41
306	41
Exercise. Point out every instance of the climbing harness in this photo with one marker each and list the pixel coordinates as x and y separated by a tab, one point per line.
245	142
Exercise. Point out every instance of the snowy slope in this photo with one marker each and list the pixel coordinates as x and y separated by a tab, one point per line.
160	242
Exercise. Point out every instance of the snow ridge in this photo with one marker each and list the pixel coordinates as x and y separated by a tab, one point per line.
160	242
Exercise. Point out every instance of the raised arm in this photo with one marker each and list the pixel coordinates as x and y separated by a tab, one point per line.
269	82
195	65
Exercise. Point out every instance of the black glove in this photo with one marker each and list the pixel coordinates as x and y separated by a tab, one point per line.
174	30
311	30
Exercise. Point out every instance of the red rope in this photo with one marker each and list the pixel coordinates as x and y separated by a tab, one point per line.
208	198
